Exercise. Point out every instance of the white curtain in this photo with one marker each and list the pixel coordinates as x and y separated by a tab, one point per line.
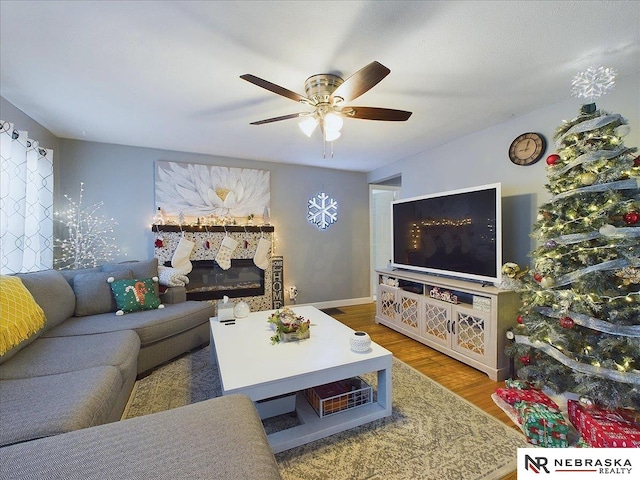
26	203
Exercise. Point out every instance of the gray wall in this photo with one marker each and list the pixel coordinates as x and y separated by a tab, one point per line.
482	158
326	266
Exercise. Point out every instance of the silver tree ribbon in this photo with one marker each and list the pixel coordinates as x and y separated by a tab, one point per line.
629	184
609	265
608	231
592	124
593	323
632	377
589	157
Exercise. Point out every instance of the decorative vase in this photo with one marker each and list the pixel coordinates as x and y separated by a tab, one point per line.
241	310
360	342
294	336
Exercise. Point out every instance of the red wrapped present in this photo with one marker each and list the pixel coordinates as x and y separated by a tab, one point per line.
605	428
513	395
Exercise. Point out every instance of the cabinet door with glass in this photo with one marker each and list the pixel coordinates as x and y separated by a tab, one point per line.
410	311
437	321
387	303
471	332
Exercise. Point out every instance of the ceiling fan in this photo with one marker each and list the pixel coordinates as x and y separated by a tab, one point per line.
326	95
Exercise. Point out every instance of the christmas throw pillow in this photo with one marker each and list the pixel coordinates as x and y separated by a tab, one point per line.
135	295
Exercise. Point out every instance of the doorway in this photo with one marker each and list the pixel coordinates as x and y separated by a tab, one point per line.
380	198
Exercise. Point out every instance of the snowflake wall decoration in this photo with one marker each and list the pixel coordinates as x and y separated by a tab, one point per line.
593	83
322	210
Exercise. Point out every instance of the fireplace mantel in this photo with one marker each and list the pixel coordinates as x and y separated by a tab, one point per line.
213	228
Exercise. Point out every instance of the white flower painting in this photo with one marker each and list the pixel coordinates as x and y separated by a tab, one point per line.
199	190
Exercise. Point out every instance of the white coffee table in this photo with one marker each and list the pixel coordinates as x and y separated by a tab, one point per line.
248	363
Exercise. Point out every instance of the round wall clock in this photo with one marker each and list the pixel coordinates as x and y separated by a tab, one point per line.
527	149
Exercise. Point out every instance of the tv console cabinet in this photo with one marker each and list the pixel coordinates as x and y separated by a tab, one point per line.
464	320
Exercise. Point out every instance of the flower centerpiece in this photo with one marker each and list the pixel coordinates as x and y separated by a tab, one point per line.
288	326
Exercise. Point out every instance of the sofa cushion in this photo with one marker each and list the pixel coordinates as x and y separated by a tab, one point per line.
150	325
70	274
53	404
21	318
135	295
52	292
140	269
93	292
52	356
220	438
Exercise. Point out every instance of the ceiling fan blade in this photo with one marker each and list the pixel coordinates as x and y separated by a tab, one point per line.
277	119
374	113
272	87
361	81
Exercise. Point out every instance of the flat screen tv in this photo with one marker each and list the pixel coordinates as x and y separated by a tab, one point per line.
456	233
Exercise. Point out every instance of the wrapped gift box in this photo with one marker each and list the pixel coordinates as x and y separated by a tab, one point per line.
604	428
514	395
544	426
517	384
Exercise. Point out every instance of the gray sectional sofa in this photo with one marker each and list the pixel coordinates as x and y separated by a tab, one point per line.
61	388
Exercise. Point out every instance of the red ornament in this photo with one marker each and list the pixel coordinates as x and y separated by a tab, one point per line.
631	218
526	360
159	243
537	277
207	244
553	159
567	322
520	320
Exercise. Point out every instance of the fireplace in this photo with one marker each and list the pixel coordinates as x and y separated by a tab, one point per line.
207	281
244	281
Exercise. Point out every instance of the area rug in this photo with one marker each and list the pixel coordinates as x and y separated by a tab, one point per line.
432	434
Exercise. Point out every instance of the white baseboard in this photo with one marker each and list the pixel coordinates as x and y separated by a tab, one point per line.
335	303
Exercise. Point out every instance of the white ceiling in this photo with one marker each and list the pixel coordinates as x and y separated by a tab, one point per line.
165	74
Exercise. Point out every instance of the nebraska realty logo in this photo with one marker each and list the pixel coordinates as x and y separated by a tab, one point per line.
578	463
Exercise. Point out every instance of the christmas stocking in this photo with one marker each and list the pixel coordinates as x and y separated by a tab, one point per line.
180	260
223	257
261	257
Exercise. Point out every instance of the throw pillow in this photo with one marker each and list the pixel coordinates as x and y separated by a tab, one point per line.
93	294
135	295
20	316
143	269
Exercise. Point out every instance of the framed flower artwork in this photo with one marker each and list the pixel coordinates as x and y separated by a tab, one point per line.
198	190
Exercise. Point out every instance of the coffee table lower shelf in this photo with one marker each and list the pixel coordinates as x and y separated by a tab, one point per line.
313	427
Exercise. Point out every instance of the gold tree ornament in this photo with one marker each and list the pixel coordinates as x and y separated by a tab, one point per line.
629	275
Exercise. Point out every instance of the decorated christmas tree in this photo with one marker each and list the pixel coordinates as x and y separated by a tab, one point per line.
579	325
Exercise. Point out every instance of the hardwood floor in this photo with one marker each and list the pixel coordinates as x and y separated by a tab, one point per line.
469	383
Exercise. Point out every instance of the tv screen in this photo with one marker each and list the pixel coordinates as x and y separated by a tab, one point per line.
456	233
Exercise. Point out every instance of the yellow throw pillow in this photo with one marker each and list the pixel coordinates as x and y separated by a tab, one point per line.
20	315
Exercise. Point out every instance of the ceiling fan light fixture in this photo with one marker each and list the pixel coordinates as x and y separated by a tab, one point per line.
308	125
333	122
326	93
331	135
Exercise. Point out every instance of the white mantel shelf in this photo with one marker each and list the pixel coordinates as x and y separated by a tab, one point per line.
213	228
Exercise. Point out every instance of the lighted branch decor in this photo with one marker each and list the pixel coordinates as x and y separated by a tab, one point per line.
579	325
87	239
